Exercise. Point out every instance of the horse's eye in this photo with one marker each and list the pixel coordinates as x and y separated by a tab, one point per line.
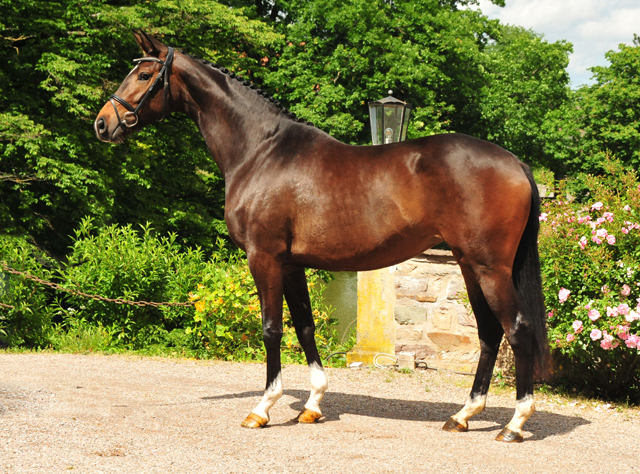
144	76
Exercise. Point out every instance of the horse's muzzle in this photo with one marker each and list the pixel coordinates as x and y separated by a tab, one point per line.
101	126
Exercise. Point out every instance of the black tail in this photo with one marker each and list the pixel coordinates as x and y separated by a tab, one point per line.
528	283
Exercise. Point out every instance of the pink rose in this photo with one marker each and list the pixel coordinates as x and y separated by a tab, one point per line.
583	242
632	342
563	294
596	206
623	309
611	239
612	312
632	316
623	332
605	289
624	230
606	345
595	334
543	217
570	337
596	240
601	233
626	208
608	216
594	314
577	326
626	290
583	219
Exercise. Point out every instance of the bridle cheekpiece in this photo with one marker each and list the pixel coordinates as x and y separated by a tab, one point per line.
133	111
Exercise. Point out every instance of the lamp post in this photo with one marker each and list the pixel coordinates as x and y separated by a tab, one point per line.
376	326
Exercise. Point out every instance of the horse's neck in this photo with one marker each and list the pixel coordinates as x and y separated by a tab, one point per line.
233	119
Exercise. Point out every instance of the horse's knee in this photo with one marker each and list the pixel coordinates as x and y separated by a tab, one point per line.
271	337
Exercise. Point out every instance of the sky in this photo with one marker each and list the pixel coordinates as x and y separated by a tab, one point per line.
592	26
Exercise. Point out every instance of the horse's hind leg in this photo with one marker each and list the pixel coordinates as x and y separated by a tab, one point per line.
490	334
268	276
500	293
296	293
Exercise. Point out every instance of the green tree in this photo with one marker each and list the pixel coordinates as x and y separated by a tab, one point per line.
599	118
60	62
526	78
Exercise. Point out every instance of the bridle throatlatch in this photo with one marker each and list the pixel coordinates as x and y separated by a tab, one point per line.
133	111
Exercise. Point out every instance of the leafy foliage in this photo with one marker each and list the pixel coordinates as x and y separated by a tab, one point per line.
599	118
591	275
25	317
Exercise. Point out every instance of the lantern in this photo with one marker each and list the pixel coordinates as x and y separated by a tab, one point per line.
389	120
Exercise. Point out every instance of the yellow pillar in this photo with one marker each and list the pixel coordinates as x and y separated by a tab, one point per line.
375	317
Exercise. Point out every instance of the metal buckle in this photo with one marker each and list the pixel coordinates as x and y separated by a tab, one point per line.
132	124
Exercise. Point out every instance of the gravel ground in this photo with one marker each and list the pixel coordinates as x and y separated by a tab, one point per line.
116	414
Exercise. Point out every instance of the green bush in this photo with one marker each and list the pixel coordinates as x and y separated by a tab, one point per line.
228	322
25	315
119	262
590	254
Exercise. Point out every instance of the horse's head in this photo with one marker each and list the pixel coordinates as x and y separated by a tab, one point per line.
142	97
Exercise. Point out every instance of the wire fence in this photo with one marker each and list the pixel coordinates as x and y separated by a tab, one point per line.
57	287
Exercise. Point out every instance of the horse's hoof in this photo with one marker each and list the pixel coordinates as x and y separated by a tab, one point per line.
308	416
509	436
254	421
453	425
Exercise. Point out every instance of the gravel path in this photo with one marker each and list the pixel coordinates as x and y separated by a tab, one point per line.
115	414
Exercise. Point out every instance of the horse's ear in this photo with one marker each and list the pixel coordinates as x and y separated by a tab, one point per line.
149	45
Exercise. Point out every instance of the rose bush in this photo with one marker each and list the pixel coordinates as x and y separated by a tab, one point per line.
590	256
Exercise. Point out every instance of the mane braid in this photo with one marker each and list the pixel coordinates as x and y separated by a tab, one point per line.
250	85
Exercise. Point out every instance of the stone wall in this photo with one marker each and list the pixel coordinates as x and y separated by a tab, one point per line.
431	321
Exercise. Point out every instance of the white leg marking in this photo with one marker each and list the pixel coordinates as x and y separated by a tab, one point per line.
319	385
473	406
524	409
270	397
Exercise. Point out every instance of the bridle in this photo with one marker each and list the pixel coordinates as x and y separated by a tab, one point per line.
133	111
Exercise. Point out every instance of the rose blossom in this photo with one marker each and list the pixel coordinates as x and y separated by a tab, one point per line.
596	240
626	208
611	239
632	316
570	337
623	309
543	217
626	290
607	339
601	233
605	289
563	294
577	326
623	332
600	220
612	312
633	341
595	334
583	242
594	314
608	216
583	219
597	206
624	230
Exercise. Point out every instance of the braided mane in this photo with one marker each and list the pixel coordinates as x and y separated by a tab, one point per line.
252	86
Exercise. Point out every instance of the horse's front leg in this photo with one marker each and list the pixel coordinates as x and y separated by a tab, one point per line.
296	293
268	276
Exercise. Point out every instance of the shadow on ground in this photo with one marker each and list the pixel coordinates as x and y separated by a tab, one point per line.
541	424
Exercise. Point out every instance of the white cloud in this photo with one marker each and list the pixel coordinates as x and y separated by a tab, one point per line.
593	27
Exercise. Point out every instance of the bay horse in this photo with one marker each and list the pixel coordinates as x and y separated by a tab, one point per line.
296	197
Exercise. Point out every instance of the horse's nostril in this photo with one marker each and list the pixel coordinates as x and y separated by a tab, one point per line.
101	124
